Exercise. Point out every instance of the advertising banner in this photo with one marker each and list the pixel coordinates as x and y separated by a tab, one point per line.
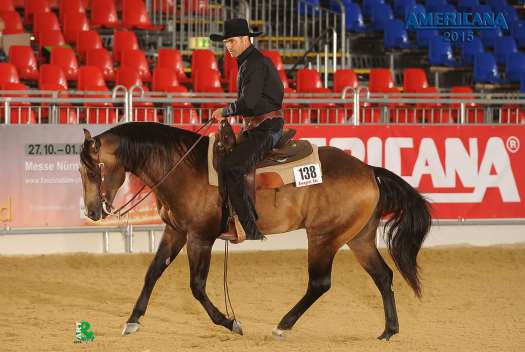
467	172
41	185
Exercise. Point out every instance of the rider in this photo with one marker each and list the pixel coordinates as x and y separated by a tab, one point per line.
259	98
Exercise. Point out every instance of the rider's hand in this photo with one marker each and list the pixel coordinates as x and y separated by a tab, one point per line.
217	115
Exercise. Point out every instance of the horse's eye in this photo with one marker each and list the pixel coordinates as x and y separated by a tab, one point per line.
91	174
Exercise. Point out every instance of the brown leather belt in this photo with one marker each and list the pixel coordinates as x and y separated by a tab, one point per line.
254	121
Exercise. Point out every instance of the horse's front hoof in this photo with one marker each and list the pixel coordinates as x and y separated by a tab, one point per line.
387	334
237	328
130	328
278	334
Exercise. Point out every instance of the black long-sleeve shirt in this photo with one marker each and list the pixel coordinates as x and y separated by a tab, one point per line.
259	87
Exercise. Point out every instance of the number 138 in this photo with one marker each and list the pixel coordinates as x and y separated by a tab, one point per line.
308	172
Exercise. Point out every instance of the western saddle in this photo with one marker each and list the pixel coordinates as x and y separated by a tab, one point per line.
286	150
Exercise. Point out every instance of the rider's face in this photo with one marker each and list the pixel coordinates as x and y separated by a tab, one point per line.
236	45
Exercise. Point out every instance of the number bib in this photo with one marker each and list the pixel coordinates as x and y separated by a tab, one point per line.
307	175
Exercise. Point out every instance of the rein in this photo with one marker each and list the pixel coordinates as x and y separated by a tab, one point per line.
106	207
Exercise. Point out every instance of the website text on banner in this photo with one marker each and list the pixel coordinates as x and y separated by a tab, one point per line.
470	172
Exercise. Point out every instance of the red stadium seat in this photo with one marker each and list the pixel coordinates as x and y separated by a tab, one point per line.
86	41
171	58
21	112
206	77
122	41
185	116
101	59
309	81
136	59
70	7
100	114
104	14
286	84
74	23
432	112
196	6
90	78
8	74
380	81
293	113
51	38
23	58
164	80
343	79
52	77
276	58
473	112
414	80
207	80
512	114
13	22
7	5
232	80
203	59
163	6
65	58
44	21
135	15
128	77
230	63
33	7
189	6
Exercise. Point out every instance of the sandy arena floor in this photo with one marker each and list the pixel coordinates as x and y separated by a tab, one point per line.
473	300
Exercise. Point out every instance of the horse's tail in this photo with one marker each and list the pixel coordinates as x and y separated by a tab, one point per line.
407	224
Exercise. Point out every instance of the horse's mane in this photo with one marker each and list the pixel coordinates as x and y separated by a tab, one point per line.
154	142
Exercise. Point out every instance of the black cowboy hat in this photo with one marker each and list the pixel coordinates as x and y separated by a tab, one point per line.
236	27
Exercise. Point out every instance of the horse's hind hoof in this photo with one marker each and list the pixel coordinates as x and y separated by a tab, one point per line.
130	328
387	334
237	328
278	334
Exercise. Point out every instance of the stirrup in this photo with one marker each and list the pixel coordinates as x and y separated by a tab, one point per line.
228	236
236	233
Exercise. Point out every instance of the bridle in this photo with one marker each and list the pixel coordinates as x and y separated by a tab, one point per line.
106	205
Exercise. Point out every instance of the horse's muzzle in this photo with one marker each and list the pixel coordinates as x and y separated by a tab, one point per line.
94	215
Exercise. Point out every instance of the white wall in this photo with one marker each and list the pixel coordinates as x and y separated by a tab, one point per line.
479	235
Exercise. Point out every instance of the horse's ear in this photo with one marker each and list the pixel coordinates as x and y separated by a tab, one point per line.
87	135
94	143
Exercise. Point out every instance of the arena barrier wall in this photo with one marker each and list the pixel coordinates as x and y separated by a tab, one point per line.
467	172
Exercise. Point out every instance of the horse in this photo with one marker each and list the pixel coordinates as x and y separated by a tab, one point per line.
345	209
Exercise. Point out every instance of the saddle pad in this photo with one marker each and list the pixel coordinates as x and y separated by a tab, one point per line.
284	170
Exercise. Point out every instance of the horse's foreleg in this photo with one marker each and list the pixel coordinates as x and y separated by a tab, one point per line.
170	245
320	259
199	256
370	259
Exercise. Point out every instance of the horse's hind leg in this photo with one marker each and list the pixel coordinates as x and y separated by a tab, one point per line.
365	250
170	245
320	259
199	256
